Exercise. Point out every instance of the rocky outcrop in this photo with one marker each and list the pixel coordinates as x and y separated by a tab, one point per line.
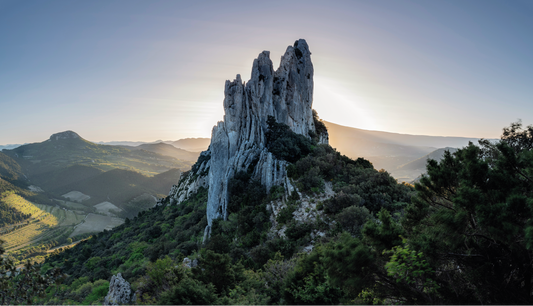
119	292
239	141
188	263
64	135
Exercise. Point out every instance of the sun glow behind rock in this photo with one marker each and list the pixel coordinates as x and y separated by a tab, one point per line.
329	98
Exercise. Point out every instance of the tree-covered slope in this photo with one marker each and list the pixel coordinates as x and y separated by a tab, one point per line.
464	238
9	168
66	149
245	244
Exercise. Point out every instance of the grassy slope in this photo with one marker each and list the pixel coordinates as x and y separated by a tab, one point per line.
47	226
9	168
118	186
40	222
22	205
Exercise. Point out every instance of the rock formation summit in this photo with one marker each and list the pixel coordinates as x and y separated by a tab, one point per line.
64	135
239	141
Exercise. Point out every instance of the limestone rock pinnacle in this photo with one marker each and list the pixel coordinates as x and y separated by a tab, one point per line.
239	143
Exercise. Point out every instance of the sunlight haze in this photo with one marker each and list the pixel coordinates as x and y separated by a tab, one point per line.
142	71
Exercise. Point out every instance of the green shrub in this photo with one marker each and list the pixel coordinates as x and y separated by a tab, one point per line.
189	292
285	214
217	269
284	143
340	201
296	230
98	293
276	192
352	219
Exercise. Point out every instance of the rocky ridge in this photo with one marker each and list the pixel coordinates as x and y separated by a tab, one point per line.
239	141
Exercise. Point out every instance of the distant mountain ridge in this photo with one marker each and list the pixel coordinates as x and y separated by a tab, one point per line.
192	144
397	138
68	148
10	146
66	162
384	149
188	144
390	151
420	164
168	150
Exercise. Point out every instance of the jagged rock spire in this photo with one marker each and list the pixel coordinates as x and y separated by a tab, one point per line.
238	142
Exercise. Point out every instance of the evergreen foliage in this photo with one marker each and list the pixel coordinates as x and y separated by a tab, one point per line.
466	234
11	215
284	143
355	181
463	235
320	127
21	285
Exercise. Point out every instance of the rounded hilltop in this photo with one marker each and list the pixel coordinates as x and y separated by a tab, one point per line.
64	135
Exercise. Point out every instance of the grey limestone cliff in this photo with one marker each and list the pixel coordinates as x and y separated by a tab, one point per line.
239	142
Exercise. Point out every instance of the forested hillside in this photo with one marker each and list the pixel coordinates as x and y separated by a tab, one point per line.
68	148
244	245
86	187
463	237
130	179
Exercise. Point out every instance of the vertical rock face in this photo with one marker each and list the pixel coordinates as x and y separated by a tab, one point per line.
238	142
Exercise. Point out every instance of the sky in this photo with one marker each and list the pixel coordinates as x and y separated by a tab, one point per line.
129	70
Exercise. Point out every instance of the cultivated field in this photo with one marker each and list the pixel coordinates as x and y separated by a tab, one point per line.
64	217
53	223
76	196
47	223
96	223
73	205
22	205
107	208
36	231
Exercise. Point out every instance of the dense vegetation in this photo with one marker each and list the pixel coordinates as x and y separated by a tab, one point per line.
11	215
463	235
105	173
465	238
284	143
22	286
242	252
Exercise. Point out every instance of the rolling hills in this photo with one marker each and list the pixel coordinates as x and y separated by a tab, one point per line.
192	144
68	148
390	151
168	150
70	177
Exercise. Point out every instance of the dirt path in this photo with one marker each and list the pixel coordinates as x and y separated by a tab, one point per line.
65	246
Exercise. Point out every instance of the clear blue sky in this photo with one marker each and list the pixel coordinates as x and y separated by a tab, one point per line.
147	70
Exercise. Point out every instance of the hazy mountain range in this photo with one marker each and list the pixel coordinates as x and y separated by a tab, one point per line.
131	178
389	151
